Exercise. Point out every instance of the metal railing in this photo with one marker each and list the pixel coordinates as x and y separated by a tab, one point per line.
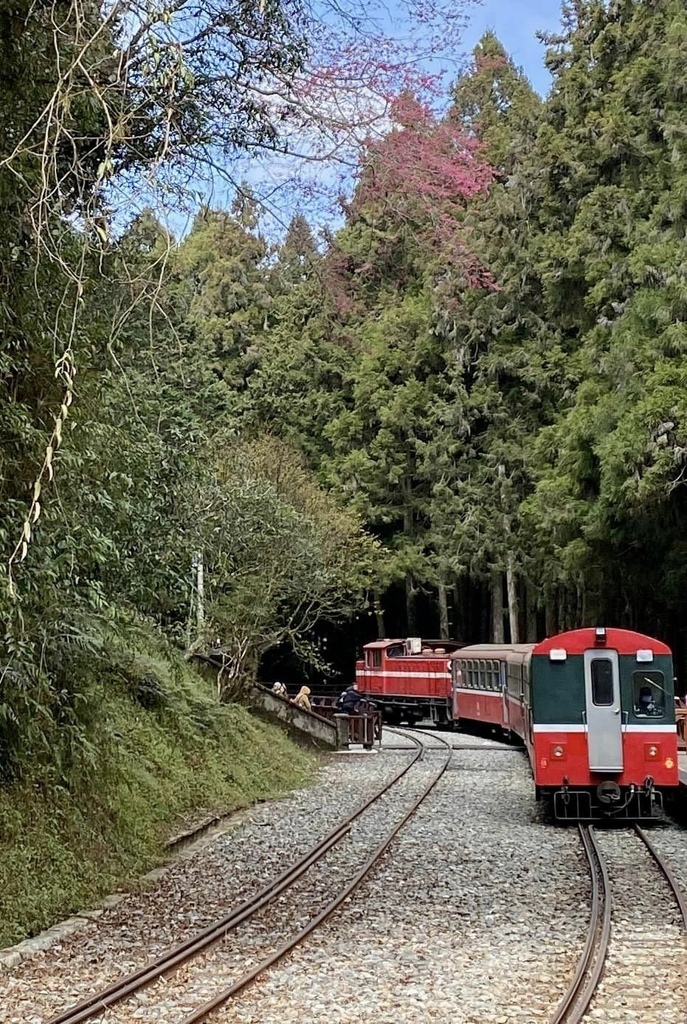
364	727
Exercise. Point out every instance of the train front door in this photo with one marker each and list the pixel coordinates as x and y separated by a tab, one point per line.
604	716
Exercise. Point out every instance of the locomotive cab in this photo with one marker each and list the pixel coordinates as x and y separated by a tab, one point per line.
604	739
407	679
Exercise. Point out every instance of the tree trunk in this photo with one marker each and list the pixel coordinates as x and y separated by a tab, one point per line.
512	601
497	631
461	627
444	633
379	614
550	610
531	604
410	606
510	564
239	671
408	531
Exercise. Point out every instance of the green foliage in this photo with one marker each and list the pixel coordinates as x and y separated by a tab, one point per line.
164	750
282	557
534	429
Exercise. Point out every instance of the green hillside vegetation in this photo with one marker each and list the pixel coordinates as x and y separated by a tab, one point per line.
160	750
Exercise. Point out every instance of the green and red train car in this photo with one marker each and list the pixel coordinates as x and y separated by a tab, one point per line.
594	707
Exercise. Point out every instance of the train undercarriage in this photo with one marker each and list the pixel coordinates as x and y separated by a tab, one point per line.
605	801
396	710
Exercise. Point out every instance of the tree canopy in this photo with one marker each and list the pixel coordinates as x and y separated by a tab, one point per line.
462	411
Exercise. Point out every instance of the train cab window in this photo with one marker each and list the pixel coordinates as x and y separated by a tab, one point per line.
395	652
374	658
602	682
649	694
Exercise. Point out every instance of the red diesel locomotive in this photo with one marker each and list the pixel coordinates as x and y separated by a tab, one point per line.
408	679
595	709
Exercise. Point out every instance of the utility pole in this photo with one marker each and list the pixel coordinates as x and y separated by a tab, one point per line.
199	582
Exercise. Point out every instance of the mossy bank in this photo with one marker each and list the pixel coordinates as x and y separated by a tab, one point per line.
162	749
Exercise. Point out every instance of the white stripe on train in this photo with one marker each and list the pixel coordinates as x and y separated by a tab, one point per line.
548	727
371	675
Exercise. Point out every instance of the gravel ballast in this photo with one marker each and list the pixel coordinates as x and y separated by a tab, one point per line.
476	915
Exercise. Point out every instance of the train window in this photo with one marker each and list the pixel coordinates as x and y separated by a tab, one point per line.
602	681
376	658
395	652
649	694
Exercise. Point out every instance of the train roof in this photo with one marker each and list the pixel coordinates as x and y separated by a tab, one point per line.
383	644
494	650
624	641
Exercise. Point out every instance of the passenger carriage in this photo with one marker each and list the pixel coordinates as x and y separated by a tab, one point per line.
487	684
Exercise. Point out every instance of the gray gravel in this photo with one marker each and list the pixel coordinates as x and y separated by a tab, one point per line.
472	918
645	968
476	915
198	889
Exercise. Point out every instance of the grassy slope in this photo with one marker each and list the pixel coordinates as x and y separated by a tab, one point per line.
165	749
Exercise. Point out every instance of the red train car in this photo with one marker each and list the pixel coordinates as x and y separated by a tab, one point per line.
408	679
595	709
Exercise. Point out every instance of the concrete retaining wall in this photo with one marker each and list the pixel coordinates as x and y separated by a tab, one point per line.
319	730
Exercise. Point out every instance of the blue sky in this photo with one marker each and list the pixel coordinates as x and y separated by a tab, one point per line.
515	23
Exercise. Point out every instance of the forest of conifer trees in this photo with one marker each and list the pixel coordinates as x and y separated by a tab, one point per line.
461	412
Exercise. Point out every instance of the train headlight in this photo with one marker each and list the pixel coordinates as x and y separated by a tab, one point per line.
652	751
557	752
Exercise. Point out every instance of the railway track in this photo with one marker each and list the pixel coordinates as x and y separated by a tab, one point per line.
209	938
634	960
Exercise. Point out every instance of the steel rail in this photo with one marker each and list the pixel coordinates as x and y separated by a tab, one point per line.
219	1000
203	940
575	1002
667	873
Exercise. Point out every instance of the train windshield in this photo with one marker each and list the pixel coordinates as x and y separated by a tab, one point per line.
649	694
